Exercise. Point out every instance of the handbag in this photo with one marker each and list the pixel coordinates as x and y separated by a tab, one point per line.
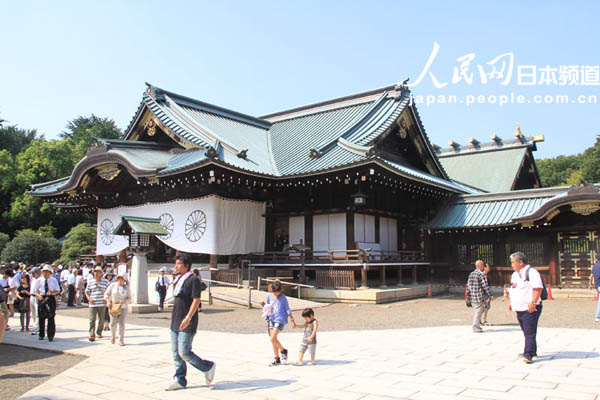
116	310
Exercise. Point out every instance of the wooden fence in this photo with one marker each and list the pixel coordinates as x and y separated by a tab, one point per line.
336	279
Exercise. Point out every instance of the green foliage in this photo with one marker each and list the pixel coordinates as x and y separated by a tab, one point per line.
31	247
14	140
570	170
27	158
591	163
80	240
82	130
4	238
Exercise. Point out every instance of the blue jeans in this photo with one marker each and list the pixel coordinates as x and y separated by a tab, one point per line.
598	309
529	322
181	346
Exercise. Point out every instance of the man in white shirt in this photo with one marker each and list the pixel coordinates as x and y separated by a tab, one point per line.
525	298
47	287
162	284
35	275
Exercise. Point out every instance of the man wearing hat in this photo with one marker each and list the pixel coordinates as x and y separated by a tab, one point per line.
46	288
162	284
94	292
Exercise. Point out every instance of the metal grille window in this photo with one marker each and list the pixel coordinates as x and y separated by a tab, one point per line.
534	251
484	252
576	245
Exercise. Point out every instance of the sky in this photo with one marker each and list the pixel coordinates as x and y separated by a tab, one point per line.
62	59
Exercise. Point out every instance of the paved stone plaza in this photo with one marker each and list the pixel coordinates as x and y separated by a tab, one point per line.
441	362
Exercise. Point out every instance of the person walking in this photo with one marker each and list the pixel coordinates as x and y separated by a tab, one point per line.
184	324
118	295
110	277
595	284
71	288
479	294
162	284
79	287
525	298
24	297
33	301
46	289
96	288
488	304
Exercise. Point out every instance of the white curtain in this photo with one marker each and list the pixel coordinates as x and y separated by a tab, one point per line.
329	232
209	225
297	230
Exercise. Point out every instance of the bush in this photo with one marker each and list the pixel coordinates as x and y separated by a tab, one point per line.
31	247
80	240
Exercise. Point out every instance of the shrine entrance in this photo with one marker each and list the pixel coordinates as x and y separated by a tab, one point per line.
577	254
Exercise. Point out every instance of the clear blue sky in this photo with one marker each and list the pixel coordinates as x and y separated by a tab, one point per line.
62	59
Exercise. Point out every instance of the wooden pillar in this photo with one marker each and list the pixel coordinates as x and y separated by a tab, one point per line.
350	230
308	231
213	261
399	276
382	272
364	284
414	274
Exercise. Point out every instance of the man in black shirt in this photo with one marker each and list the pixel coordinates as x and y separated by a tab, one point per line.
184	323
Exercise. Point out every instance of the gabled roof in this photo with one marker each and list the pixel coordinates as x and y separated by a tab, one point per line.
498	163
316	138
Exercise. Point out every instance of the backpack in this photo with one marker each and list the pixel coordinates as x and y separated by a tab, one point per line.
544	295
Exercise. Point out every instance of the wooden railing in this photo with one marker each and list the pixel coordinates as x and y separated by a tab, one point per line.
335	256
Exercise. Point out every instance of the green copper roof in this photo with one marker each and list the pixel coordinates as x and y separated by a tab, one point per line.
148	226
492	210
491	171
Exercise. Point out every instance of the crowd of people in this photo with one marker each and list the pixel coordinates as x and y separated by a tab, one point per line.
36	291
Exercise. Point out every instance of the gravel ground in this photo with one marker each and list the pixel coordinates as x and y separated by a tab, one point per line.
438	311
22	369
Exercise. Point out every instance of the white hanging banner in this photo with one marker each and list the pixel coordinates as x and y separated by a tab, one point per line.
209	225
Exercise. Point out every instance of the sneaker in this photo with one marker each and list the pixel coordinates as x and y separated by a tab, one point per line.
298	363
312	363
210	374
477	330
527	360
174	386
284	354
486	323
276	361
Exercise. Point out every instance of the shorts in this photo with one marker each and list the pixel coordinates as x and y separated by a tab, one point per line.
312	347
276	325
10	300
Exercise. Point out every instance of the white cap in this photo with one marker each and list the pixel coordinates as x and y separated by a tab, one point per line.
47	268
163	269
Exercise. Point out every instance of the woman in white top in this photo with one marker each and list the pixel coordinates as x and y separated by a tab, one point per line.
118	295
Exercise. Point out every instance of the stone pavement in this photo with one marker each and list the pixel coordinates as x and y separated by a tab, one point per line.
445	362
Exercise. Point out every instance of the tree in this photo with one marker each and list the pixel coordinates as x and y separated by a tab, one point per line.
556	171
14	139
591	163
80	240
82	130
4	238
31	247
